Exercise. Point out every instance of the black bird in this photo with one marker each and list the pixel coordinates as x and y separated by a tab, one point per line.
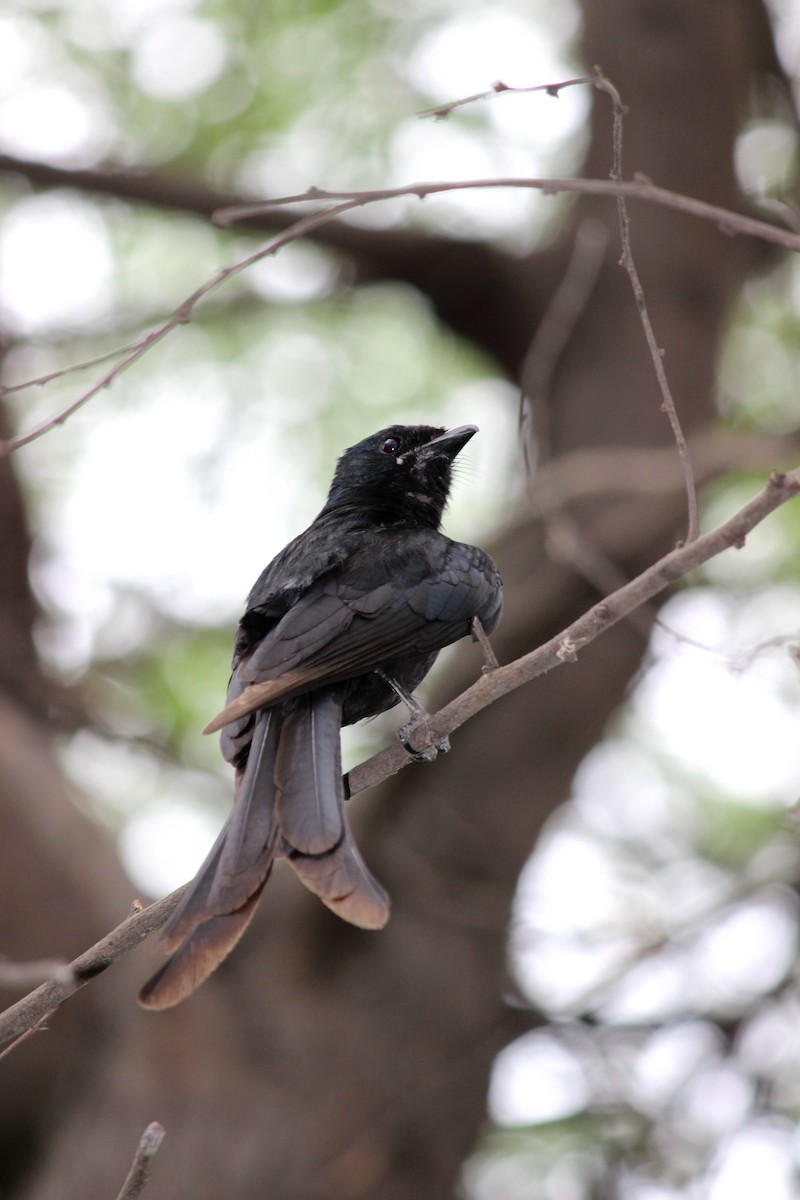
343	623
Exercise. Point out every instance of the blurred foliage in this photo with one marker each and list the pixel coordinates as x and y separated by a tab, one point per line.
663	989
156	679
760	370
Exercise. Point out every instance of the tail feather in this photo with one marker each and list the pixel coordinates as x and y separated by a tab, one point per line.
309	803
219	905
311	817
289	801
240	859
343	882
199	955
252	829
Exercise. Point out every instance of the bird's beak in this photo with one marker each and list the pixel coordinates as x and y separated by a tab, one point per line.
450	443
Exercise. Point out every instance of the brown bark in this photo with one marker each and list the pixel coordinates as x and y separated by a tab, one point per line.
322	1061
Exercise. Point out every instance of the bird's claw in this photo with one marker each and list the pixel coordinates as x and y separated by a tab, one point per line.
433	747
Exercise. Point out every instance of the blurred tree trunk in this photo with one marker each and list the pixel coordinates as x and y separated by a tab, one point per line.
322	1061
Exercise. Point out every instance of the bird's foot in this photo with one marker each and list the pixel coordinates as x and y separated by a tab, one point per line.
416	730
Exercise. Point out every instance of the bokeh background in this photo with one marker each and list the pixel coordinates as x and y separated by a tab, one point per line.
589	985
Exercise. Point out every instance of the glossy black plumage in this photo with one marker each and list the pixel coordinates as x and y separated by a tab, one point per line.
371	586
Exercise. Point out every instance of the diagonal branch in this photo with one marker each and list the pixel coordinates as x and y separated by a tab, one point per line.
493	684
565	646
20	1017
137	1176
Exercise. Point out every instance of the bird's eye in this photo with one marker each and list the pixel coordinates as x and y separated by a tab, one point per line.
390	446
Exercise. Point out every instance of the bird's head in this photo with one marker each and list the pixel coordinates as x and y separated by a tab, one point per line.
402	472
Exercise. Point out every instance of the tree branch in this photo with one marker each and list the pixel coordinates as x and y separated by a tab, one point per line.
20	1017
493	684
146	1151
565	646
729	222
498	88
656	354
339	203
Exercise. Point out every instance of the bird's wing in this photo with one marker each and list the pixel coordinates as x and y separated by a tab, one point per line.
340	628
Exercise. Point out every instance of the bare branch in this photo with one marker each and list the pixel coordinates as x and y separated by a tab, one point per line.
180	316
75	369
479	635
492	684
339	203
565	646
23	1037
146	1151
20	1017
729	222
656	353
440	111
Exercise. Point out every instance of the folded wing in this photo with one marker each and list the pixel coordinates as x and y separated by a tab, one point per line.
337	630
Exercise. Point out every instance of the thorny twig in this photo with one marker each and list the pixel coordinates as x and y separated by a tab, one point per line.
440	111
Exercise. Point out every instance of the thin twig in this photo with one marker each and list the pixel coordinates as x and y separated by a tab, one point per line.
440	111
21	1016
23	1037
564	537
339	203
140	348
729	222
146	1151
479	635
180	316
656	353
75	369
627	261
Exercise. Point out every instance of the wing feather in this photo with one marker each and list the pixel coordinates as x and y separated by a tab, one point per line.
337	630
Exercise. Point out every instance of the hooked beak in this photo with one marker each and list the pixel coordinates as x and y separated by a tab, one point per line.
450	443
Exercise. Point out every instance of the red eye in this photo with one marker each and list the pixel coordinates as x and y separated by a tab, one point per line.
390	446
